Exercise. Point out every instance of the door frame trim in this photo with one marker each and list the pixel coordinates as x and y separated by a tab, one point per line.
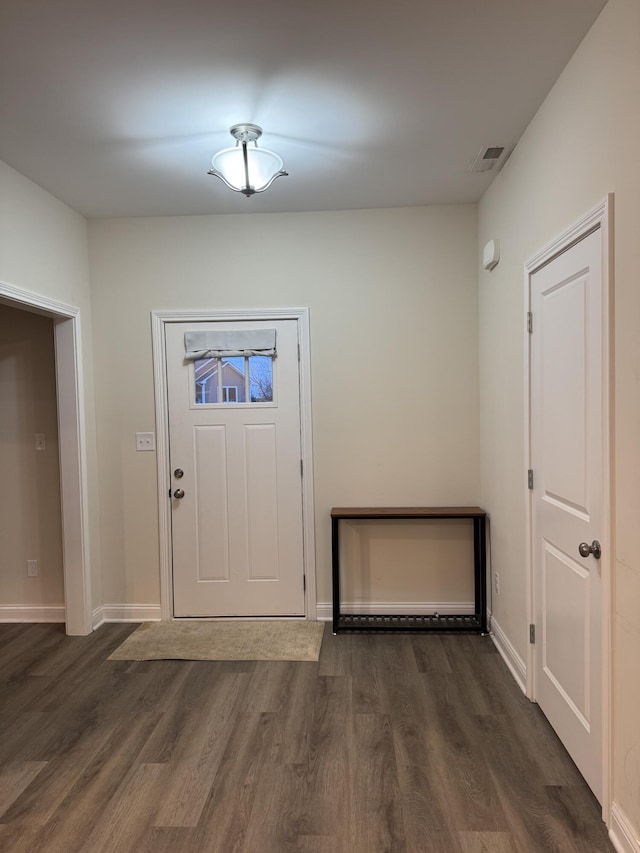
72	444
599	218
159	319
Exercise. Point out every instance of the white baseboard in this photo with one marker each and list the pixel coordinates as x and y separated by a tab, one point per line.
623	836
125	613
509	655
324	609
32	613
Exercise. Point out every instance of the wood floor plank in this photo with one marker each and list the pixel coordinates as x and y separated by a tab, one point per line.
323	800
75	656
89	708
42	797
165	839
225	818
320	844
199	750
377	821
520	773
15	838
330	733
21	649
126	821
14	779
486	842
408	718
422	770
370	693
575	812
333	660
457	762
72	811
323	779
425	813
10	630
295	720
269	686
164	685
77	808
21	694
430	653
273	822
193	693
16	740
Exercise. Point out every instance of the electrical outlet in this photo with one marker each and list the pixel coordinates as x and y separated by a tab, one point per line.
41	443
33	569
496	580
145	441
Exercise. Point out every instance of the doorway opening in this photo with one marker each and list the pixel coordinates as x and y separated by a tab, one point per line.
72	451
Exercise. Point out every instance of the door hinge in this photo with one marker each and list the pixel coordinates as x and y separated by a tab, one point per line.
298	352
529	322
532	633
301	468
304	583
530	478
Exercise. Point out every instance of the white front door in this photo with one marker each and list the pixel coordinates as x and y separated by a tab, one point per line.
234	447
568	462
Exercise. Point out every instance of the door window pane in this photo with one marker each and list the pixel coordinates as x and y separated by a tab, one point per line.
261	378
233	381
206	380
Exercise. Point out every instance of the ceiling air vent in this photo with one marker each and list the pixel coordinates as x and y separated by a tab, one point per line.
491	158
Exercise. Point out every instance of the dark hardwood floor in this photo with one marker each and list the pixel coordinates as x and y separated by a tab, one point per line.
389	744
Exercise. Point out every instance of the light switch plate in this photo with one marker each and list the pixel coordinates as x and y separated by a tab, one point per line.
145	441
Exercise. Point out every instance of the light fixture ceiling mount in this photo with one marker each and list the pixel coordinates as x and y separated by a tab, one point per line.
245	168
246	132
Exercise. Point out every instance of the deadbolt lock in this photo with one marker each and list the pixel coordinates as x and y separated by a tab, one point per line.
585	549
178	473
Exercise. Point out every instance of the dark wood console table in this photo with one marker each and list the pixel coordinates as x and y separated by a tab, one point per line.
463	622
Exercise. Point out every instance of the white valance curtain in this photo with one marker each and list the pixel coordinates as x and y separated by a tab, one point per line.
225	344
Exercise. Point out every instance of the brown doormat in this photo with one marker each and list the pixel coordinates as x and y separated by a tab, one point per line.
214	640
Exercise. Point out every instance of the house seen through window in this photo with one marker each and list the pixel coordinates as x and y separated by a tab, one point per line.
234	380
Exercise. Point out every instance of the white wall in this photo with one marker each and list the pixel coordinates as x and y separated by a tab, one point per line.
582	144
407	566
30	513
384	288
43	243
43	249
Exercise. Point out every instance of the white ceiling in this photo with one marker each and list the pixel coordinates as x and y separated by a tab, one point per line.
116	106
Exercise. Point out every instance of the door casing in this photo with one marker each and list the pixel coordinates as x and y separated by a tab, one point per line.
158	321
599	218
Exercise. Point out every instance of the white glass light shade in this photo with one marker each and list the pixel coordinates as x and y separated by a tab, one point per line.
263	167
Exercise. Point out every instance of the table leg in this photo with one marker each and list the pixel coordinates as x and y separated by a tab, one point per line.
335	565
480	570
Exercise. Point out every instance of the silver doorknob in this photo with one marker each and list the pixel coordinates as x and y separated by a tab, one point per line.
178	493
594	549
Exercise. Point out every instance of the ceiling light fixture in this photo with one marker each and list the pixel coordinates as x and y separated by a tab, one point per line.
246	168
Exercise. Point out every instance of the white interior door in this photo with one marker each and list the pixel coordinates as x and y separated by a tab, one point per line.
567	460
234	433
